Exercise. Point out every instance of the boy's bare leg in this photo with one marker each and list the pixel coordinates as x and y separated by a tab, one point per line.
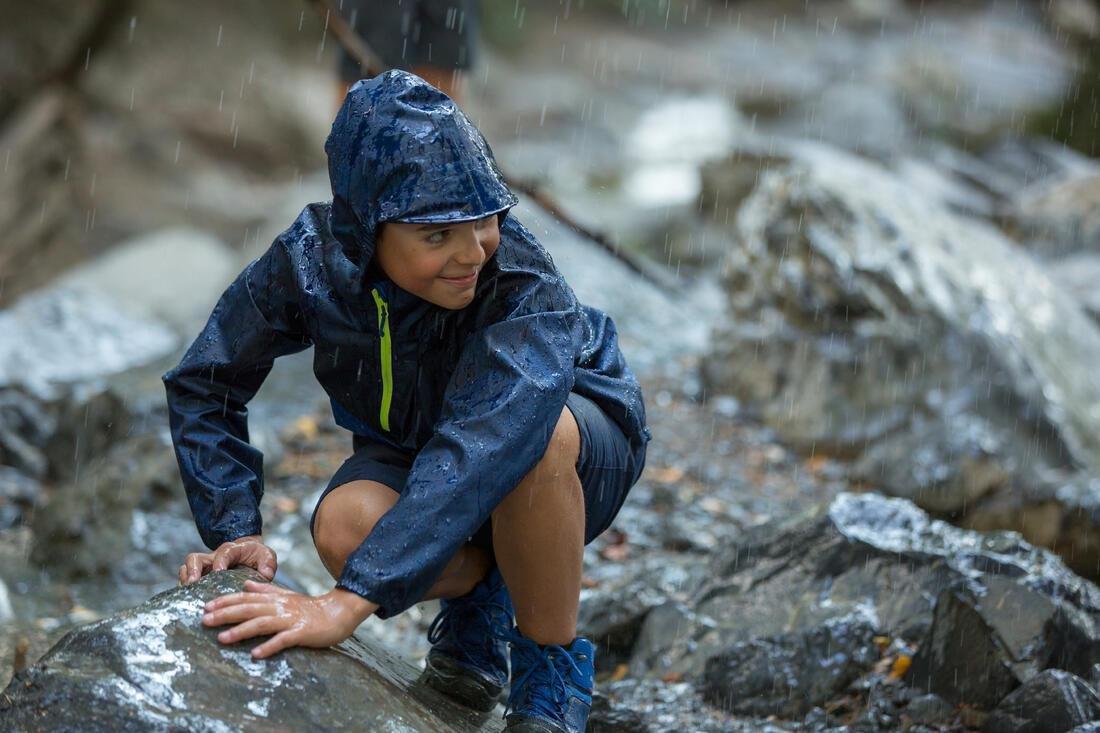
538	539
346	517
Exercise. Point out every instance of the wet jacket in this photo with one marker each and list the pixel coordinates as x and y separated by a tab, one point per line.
475	393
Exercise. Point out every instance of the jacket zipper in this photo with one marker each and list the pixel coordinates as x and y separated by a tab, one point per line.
386	358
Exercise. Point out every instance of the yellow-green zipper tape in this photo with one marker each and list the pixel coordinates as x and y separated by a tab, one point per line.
386	357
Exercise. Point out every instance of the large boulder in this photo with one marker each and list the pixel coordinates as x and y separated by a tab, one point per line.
156	668
1078	274
118	118
793	612
1051	702
871	322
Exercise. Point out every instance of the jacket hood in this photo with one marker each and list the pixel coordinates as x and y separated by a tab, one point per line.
401	150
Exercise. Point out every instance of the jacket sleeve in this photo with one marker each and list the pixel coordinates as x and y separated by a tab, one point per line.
255	321
501	405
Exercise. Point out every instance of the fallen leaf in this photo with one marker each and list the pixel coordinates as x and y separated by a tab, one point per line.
666	475
620	672
286	504
901	666
303	430
615	553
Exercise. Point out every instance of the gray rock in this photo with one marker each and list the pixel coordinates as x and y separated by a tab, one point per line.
843	279
156	668
612	613
969	657
68	334
866	554
51	437
1075	17
655	705
1079	275
18	495
173	276
975	76
1051	702
788	675
928	709
25	427
1061	216
607	717
83	527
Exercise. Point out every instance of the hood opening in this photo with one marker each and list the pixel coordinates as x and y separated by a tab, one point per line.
401	150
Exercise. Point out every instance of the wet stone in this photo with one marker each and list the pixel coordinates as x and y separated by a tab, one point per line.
986	612
964	660
928	709
18	495
612	613
156	668
842	275
84	526
606	717
1051	702
789	675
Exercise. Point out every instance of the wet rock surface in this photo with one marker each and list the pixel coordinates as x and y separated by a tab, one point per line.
1051	701
156	667
842	277
790	674
861	584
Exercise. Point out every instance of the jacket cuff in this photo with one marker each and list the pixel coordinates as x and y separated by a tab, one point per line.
215	538
362	589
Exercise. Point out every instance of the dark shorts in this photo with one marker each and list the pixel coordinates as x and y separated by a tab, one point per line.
608	465
411	33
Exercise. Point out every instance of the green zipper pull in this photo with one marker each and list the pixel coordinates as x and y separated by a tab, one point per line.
386	358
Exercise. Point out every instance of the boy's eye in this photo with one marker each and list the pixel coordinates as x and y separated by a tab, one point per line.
438	236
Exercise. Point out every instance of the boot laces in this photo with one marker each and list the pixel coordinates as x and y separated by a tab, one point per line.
544	672
458	615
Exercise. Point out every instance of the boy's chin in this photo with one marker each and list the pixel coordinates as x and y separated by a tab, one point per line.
451	301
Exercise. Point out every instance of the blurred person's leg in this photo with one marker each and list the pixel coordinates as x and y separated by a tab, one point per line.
434	39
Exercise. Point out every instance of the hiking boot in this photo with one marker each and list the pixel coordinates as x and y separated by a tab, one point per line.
468	661
551	686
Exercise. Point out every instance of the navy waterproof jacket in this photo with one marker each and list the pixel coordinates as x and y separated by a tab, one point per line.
475	393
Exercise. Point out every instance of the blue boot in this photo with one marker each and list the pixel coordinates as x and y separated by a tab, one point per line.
551	686
468	660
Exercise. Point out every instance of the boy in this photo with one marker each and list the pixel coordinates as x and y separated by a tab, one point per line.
497	428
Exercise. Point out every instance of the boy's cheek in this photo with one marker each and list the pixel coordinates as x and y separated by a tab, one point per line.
491	247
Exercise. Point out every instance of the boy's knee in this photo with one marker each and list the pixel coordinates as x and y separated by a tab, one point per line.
565	442
345	518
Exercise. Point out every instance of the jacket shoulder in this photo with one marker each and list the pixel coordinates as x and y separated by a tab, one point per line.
308	231
520	250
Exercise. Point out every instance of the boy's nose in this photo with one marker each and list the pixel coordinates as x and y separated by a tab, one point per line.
472	253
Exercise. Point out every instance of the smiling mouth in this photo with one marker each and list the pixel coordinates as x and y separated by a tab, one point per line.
466	280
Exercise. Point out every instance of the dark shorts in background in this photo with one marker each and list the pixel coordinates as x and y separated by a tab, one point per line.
608	465
411	33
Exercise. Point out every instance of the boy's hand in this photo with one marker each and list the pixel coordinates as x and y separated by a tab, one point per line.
291	618
249	551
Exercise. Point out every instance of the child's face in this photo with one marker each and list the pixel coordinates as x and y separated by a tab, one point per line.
438	262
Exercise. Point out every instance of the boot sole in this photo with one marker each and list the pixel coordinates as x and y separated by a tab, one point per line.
460	684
